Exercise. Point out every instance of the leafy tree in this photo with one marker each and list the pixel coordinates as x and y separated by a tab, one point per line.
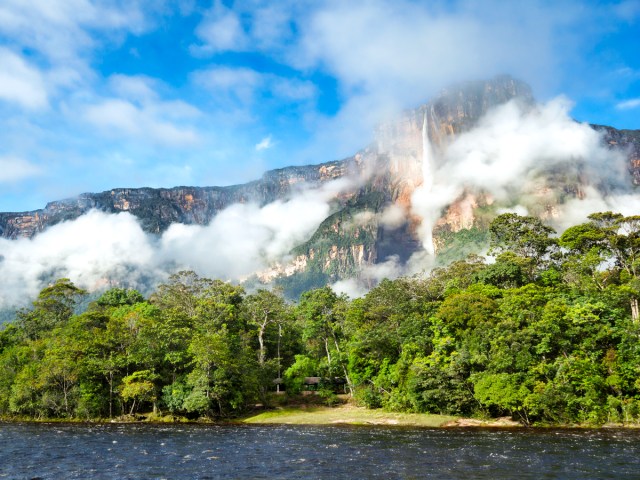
526	237
508	392
608	238
53	307
508	271
139	388
322	315
264	309
116	297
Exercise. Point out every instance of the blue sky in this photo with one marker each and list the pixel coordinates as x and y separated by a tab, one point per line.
103	94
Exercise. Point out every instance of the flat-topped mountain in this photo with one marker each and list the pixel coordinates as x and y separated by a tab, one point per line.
373	219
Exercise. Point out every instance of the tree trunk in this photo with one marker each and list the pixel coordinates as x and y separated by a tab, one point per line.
344	369
634	310
261	342
110	394
326	347
349	384
66	397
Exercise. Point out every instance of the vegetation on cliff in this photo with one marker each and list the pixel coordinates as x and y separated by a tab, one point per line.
547	333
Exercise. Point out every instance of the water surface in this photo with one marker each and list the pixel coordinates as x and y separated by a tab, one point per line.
140	451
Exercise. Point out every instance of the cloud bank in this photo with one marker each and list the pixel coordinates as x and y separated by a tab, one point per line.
98	249
511	156
507	155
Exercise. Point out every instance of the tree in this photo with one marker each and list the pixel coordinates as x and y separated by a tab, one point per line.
526	237
607	250
468	310
53	307
268	313
139	388
321	312
508	271
116	297
507	392
265	308
181	292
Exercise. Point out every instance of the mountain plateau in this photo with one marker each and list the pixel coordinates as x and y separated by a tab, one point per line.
376	218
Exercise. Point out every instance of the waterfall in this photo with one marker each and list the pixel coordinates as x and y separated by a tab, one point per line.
427	185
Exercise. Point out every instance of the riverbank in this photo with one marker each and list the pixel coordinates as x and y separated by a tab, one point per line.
348	414
344	414
312	413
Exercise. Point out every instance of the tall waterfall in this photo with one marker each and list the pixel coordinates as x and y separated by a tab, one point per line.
427	184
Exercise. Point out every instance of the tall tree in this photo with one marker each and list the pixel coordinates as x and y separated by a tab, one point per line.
322	314
526	237
53	307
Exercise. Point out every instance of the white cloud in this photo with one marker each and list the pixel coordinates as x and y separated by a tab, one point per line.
292	89
62	35
512	142
264	144
407	48
628	104
393	216
252	25
87	250
13	169
225	83
239	241
370	276
577	210
517	209
504	154
21	82
139	113
121	117
220	30
246	238
239	89
58	28
271	24
139	88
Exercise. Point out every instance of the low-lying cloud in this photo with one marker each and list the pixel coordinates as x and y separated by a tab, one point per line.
89	250
370	276
98	248
507	156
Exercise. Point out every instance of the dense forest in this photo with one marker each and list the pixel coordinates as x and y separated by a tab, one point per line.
548	333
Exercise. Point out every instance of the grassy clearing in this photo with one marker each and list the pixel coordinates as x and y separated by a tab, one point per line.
346	414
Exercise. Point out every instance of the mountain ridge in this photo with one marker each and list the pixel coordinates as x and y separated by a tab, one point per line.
180	204
358	231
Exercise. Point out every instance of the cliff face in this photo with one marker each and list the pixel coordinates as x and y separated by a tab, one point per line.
456	110
627	141
159	208
359	231
341	247
401	152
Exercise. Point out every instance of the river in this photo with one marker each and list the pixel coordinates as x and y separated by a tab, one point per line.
146	451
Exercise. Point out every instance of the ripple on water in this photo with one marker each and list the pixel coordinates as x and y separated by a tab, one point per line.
336	452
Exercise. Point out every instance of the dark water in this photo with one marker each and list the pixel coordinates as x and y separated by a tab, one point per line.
192	451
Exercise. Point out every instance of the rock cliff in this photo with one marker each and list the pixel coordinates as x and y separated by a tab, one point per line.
369	223
157	208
